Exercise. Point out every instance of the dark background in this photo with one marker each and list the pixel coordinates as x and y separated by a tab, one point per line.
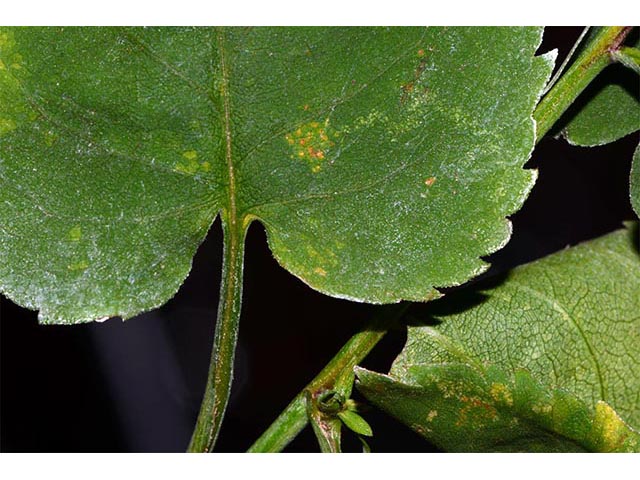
136	386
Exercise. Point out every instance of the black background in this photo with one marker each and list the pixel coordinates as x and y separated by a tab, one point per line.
136	386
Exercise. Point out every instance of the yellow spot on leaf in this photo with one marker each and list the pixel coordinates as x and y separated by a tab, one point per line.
611	429
7	125
542	409
81	265
501	394
431	415
190	154
189	164
6	40
75	234
429	181
320	271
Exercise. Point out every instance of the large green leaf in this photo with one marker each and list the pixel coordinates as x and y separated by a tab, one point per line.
608	110
537	363
382	161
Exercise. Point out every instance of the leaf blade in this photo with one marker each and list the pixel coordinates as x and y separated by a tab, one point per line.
94	214
514	355
118	160
322	239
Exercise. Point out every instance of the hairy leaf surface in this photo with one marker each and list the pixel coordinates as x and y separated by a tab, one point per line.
545	361
382	161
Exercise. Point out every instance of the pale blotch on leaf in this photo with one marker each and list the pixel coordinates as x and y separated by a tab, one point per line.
190	165
81	265
6	40
190	155
501	394
7	125
13	59
320	271
311	143
610	426
75	233
540	409
323	257
10	111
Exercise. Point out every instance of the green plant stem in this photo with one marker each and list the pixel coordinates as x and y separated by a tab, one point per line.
216	395
629	57
566	61
218	389
294	418
597	54
327	428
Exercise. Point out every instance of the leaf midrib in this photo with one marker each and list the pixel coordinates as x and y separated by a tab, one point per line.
226	121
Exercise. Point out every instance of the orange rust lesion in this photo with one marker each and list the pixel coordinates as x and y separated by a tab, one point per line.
476	408
407	87
429	181
311	142
407	90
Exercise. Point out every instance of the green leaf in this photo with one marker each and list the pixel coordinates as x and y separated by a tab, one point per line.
608	110
355	422
536	363
634	182
382	161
